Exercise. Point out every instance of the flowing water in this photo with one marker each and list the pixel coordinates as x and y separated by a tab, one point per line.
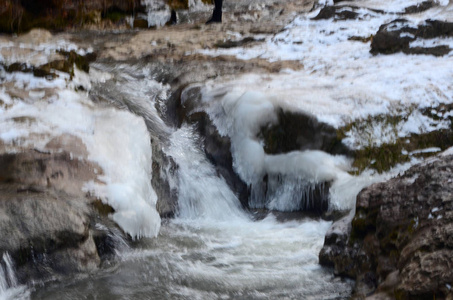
212	249
9	287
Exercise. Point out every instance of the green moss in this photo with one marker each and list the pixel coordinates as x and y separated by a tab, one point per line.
385	156
400	295
363	222
81	62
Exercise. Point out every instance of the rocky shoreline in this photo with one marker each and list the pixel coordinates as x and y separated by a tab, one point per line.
398	244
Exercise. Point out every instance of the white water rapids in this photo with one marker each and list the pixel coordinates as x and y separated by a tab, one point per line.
213	249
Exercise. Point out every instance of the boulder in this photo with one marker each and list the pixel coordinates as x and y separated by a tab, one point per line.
51	224
300	131
399	244
396	36
43	224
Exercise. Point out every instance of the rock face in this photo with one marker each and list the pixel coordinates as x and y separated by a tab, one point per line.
49	222
399	244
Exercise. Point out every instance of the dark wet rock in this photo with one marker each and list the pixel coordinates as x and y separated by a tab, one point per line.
337	13
393	37
436	51
396	37
435	28
163	168
399	243
420	7
299	131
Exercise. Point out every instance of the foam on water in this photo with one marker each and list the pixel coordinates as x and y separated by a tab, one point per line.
235	259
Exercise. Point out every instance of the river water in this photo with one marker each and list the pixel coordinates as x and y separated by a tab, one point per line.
213	249
241	259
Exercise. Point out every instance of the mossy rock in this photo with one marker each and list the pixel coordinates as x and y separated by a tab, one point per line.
387	155
48	70
82	62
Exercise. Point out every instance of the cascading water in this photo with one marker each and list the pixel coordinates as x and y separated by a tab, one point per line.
212	249
202	194
9	286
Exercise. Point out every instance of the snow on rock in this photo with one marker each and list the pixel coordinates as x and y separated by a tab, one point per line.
115	139
342	82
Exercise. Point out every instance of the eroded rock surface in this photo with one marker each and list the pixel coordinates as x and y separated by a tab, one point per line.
48	220
399	244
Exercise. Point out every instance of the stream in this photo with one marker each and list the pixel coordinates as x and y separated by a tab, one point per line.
213	248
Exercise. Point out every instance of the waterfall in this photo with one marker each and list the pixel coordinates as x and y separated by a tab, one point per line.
9	286
7	276
212	248
202	193
286	182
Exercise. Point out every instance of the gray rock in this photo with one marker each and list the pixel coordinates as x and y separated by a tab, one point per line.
46	220
400	242
396	37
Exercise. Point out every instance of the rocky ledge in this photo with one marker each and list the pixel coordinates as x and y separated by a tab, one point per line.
399	244
53	228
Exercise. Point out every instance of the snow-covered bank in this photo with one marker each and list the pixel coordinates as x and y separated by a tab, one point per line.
342	82
35	110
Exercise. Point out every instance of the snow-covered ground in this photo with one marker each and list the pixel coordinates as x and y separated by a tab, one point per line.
342	82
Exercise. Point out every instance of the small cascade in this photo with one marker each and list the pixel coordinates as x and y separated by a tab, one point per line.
7	276
9	285
202	193
290	193
297	180
283	192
